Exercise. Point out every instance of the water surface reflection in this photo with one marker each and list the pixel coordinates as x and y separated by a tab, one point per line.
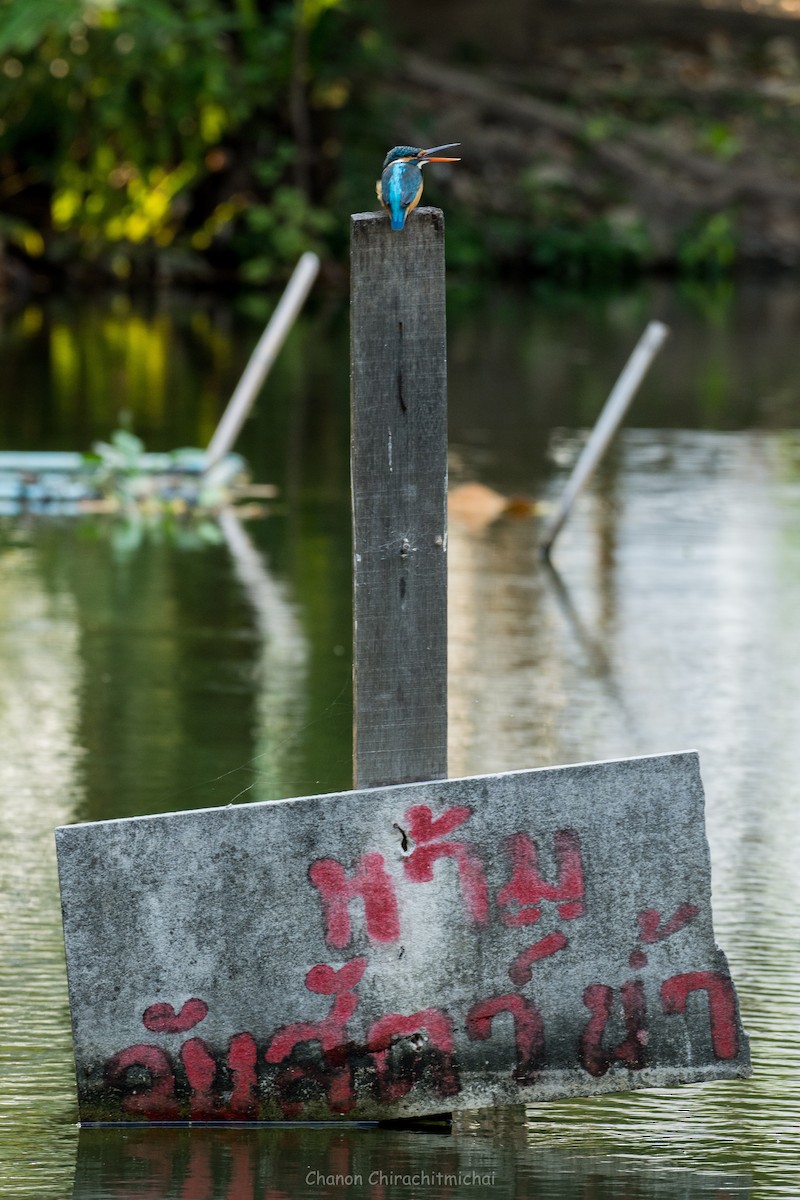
670	623
379	1164
145	675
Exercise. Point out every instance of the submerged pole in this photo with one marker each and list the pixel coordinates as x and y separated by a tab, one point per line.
399	496
613	411
267	349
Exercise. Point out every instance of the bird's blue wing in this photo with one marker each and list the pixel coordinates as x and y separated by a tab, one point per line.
401	184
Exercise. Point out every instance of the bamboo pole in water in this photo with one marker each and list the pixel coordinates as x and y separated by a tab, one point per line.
607	424
262	358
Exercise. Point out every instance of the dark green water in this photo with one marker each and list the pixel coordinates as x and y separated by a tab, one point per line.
146	668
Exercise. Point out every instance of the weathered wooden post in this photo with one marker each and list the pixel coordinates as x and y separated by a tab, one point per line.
399	484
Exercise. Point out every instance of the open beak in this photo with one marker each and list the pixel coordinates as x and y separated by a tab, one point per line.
432	155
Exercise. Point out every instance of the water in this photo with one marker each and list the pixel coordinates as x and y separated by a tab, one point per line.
148	669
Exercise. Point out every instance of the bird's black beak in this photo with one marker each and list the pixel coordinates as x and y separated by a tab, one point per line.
432	155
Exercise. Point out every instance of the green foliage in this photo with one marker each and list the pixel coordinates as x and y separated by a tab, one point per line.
122	456
554	235
197	138
277	233
720	140
172	504
597	250
136	130
598	128
710	246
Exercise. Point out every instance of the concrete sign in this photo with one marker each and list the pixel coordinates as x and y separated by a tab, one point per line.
400	950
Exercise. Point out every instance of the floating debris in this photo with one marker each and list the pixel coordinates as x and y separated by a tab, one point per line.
121	477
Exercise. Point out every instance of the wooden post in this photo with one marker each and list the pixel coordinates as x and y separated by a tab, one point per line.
399	496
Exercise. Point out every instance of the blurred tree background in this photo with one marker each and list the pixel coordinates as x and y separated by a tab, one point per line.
215	140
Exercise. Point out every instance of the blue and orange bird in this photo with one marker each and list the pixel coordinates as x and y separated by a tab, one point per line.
400	186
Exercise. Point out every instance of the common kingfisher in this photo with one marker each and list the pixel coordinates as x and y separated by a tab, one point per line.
400	186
